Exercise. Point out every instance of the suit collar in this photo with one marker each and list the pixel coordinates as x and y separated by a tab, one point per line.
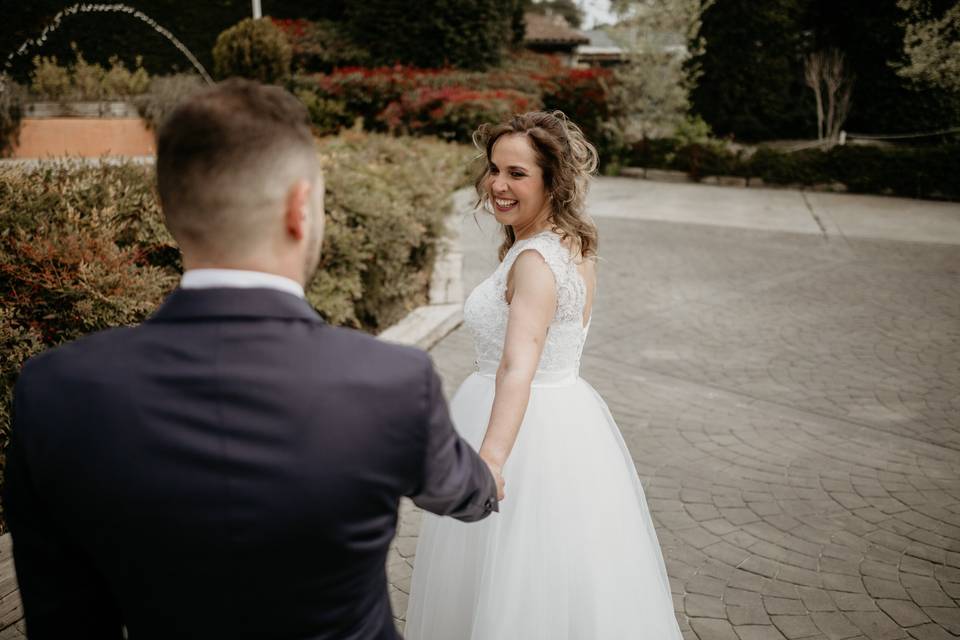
198	304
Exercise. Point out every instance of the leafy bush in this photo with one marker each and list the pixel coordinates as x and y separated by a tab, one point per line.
584	96
321	46
84	247
164	94
254	49
85	81
12	99
327	115
72	260
699	160
386	201
49	80
366	93
805	167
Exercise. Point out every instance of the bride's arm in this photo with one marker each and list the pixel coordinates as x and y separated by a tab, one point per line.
532	307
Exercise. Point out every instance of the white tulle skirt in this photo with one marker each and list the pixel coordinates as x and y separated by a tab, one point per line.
572	554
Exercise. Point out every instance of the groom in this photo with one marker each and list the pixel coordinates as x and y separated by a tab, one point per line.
232	467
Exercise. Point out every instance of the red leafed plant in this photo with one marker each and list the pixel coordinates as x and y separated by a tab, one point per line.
453	112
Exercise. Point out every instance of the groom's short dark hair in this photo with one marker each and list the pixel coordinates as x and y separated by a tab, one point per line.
225	155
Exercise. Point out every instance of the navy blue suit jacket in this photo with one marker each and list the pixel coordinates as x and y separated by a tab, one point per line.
231	468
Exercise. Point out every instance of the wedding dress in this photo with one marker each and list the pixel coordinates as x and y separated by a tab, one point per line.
572	554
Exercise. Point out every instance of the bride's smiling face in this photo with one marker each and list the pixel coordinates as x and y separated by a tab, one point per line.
515	183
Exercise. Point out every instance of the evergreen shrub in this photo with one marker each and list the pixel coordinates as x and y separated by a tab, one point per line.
254	49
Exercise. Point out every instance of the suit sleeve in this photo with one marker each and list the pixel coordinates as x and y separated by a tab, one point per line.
62	594
455	481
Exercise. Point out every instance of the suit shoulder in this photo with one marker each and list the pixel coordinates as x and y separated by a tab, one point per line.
76	352
373	350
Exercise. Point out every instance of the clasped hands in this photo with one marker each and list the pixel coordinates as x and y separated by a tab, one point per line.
496	469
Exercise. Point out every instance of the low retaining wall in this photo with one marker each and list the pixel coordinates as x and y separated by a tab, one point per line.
84	130
84	137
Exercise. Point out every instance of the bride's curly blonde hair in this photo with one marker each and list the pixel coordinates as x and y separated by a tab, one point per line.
566	158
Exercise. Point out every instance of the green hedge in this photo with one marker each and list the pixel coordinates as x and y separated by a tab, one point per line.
254	49
913	172
84	247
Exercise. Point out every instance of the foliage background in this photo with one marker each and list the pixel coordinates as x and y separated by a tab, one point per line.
752	83
84	248
429	33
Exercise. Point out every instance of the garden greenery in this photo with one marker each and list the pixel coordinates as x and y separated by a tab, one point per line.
254	49
84	248
452	103
911	172
85	81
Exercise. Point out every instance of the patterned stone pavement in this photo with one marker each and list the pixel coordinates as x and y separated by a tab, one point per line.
792	402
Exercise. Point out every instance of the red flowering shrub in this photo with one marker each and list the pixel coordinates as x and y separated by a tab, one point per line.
584	96
365	93
453	112
402	98
452	102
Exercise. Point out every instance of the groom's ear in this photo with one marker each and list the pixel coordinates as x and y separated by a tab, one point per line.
297	209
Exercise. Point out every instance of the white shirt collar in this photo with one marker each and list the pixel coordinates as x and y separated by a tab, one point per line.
238	279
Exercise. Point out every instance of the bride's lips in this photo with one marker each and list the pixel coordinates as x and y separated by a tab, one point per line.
504	204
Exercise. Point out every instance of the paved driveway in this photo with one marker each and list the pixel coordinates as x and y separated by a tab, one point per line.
785	368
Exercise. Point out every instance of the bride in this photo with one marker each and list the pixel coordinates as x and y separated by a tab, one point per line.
573	554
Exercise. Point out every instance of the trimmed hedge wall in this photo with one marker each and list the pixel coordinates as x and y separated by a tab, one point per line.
912	172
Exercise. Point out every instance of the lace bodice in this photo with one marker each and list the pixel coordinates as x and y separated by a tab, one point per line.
486	310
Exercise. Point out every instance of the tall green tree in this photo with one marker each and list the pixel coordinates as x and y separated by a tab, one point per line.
470	34
753	87
651	95
932	45
871	34
752	68
101	35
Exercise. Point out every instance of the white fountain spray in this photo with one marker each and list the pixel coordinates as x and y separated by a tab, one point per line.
107	8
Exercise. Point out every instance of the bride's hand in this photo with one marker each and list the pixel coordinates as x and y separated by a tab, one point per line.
497	471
